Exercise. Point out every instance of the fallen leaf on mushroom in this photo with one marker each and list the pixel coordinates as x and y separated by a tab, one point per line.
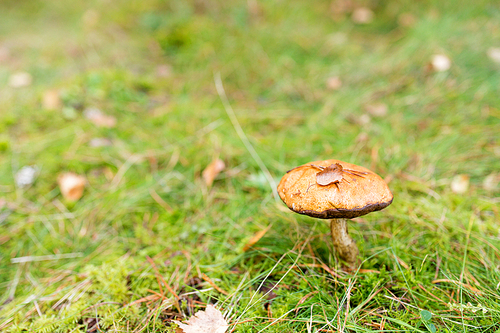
51	100
460	184
71	185
440	63
209	321
212	170
98	118
19	80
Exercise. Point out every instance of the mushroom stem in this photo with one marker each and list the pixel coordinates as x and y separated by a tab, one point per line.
343	243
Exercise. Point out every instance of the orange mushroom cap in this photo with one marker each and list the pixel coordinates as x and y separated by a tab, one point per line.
358	192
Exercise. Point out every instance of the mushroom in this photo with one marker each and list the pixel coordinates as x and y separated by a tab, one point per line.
335	190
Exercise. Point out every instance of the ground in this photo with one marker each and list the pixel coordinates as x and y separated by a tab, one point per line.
150	241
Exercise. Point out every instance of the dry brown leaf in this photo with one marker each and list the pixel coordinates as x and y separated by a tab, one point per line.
377	109
494	54
212	170
99	119
255	238
51	100
460	184
362	15
71	185
440	63
209	321
333	83
19	80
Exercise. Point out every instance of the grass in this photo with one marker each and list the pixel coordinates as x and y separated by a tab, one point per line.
430	259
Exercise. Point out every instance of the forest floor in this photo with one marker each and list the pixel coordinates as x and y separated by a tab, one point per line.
124	94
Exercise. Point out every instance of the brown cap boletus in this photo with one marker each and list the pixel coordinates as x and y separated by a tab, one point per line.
336	190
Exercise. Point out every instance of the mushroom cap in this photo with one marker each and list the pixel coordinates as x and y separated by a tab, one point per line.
353	196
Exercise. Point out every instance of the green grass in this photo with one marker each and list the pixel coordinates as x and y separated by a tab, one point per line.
274	63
